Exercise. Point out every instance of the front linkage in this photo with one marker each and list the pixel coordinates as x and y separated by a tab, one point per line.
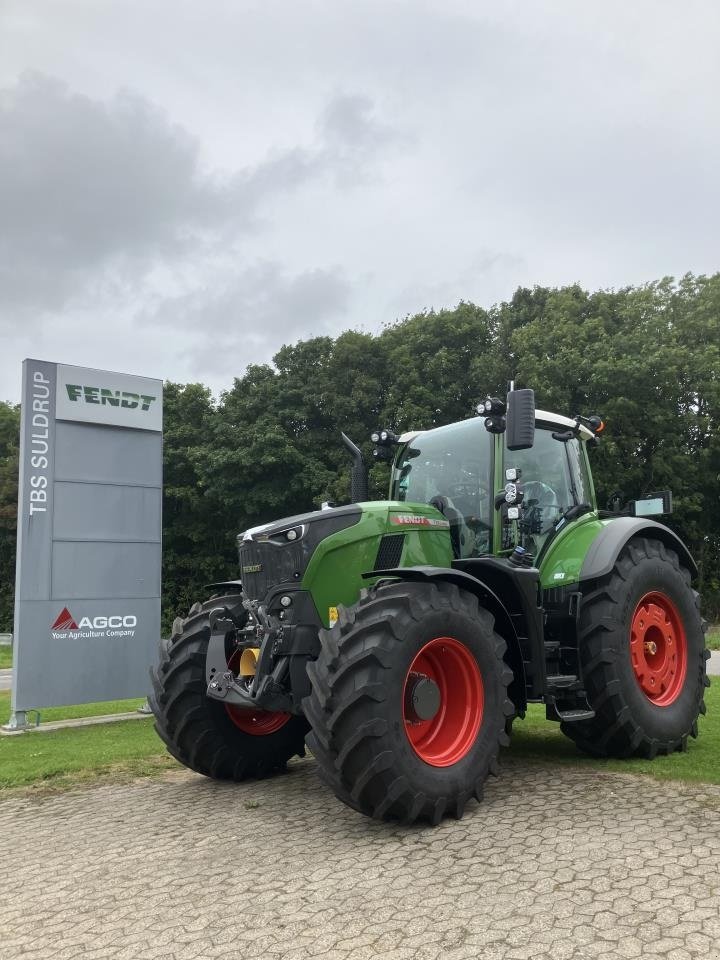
258	644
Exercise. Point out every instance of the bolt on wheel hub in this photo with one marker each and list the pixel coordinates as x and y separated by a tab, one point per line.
422	698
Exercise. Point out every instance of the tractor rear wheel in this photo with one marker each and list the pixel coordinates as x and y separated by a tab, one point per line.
213	738
642	651
409	702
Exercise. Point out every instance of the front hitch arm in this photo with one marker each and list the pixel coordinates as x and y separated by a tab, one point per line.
222	683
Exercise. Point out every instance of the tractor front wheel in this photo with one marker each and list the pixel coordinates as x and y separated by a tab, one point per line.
213	738
409	702
643	657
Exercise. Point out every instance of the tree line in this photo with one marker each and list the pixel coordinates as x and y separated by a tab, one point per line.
646	359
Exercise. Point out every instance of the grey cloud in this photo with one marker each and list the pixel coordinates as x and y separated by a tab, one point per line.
91	190
436	151
81	180
485	280
350	122
246	319
353	133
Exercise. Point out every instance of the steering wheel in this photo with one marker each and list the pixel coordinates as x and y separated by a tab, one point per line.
470	498
541	501
541	493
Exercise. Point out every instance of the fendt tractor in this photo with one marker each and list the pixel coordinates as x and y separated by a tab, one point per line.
400	639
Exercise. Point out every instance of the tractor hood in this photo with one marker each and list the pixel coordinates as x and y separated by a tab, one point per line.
279	552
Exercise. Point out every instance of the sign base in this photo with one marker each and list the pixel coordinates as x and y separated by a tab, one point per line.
18	722
11	730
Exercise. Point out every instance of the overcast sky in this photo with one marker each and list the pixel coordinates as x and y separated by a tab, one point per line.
185	186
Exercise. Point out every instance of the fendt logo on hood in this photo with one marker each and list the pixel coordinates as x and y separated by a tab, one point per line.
114	626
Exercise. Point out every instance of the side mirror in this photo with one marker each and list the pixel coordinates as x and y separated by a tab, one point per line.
652	505
520	433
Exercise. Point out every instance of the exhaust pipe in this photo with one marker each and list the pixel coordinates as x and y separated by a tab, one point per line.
358	474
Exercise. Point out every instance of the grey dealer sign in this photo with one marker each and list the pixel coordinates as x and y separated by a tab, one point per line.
87	599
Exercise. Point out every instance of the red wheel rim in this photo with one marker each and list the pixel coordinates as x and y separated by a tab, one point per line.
258	723
448	736
658	649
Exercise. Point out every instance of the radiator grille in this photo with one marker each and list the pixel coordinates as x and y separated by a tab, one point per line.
390	551
263	565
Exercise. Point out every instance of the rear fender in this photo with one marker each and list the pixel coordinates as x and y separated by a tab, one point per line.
607	546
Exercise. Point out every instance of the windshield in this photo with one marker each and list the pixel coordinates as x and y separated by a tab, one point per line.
451	467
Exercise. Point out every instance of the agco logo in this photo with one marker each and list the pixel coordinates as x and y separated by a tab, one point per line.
65	621
113	626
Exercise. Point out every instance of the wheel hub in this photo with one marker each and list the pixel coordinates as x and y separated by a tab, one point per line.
422	698
658	649
443	702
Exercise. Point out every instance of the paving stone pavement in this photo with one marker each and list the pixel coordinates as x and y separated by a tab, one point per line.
554	864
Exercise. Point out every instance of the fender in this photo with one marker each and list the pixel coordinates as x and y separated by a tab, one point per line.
231	586
489	599
606	547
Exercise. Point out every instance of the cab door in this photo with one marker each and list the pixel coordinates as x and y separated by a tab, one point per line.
553	478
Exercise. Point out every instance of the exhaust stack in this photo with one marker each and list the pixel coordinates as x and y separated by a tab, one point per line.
358	474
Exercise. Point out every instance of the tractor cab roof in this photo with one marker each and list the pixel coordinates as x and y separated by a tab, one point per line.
541	417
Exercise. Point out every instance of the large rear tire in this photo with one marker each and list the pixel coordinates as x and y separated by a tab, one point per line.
409	702
643	656
207	736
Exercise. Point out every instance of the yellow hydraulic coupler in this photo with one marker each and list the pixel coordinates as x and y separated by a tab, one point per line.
248	661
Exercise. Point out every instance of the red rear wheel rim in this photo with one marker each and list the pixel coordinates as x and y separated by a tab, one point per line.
658	649
258	723
448	736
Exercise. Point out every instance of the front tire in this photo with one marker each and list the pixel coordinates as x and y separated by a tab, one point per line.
212	738
643	656
409	702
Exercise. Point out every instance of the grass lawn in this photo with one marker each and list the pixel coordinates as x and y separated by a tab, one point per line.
535	739
5	657
127	749
112	751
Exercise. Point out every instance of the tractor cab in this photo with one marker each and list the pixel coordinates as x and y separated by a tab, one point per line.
496	499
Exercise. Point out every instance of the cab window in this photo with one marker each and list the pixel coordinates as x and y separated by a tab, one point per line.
549	485
451	467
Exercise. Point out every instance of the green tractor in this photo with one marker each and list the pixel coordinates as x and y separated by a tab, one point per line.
400	639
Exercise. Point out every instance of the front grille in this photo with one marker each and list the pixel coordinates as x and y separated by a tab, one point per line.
390	551
263	565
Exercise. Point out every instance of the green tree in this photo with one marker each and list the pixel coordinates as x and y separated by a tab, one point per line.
9	459
196	549
645	359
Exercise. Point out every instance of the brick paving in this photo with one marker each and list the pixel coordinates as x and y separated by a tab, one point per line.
555	864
